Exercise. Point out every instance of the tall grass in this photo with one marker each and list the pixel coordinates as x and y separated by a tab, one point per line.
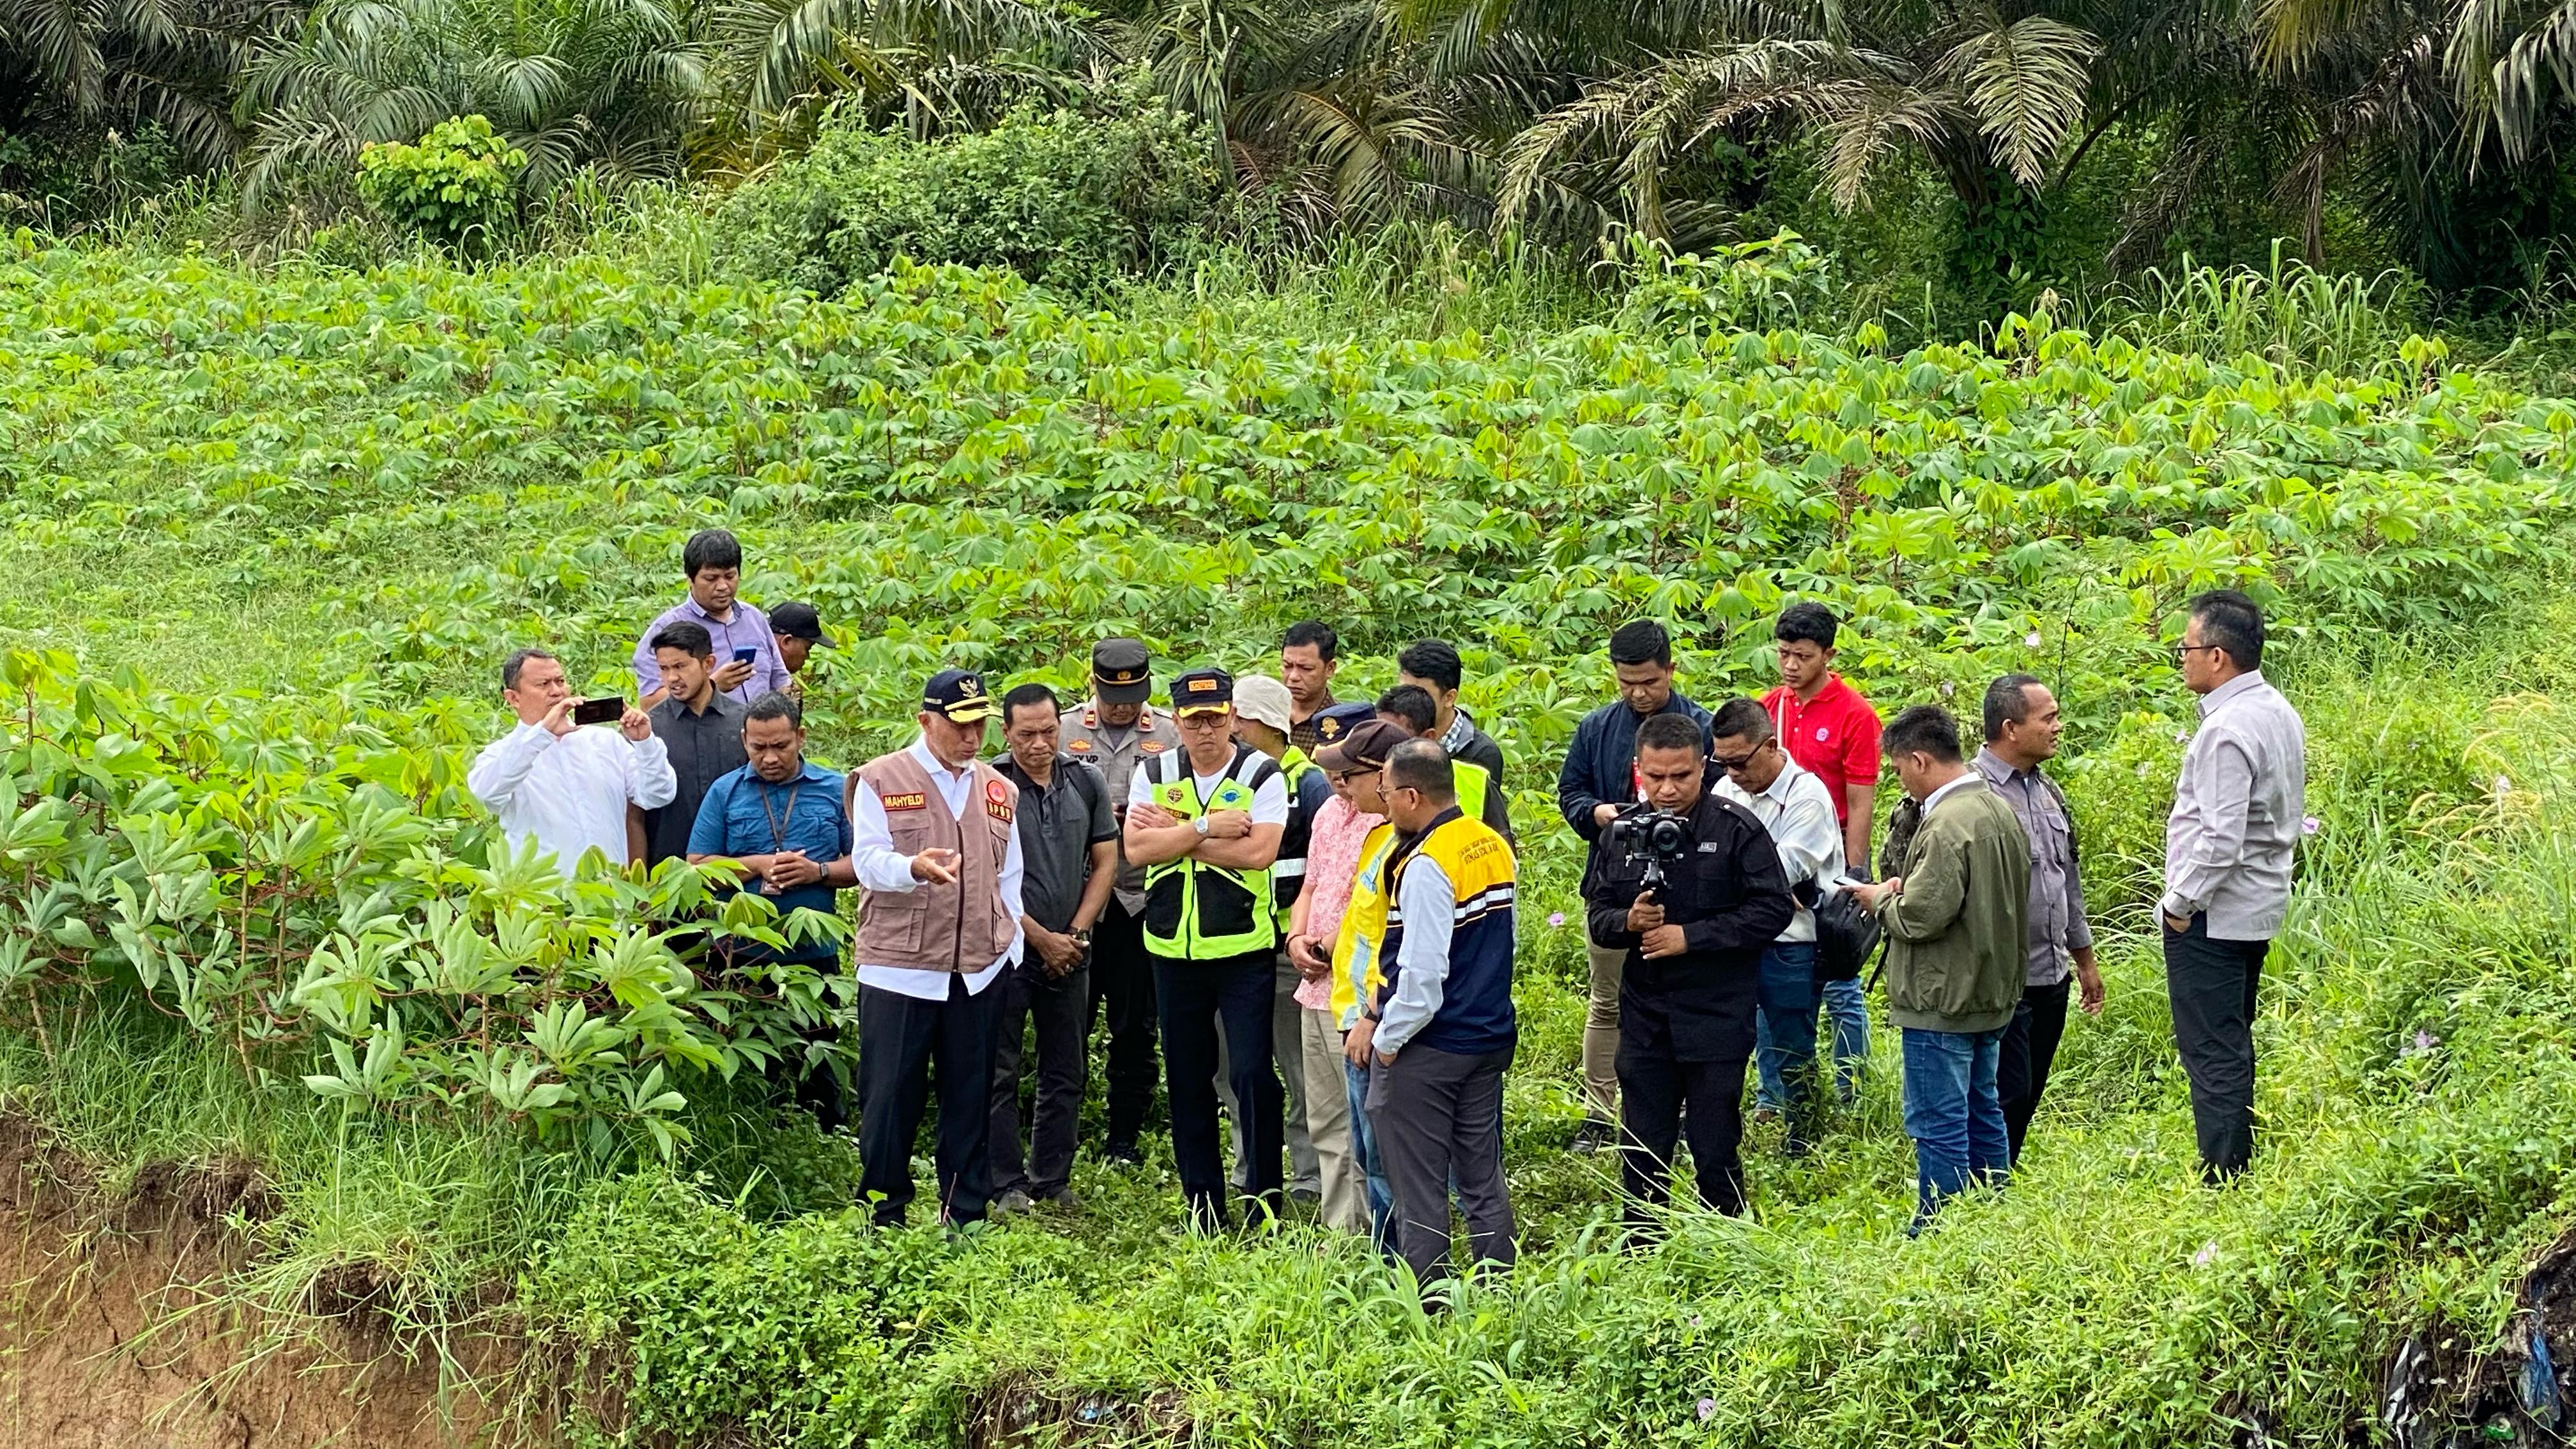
2289	314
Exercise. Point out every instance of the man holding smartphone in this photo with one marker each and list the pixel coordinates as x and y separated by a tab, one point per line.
748	665
559	784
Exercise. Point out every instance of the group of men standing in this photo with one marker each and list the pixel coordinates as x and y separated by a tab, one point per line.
1306	907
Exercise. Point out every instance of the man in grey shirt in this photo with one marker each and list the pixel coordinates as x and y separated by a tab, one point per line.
2238	808
1114	731
2022	725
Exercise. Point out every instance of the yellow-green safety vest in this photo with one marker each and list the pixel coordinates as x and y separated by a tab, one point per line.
1200	912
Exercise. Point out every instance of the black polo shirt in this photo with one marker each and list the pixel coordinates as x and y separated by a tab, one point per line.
704	748
1058	826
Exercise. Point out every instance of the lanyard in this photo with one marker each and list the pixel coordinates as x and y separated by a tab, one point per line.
777	825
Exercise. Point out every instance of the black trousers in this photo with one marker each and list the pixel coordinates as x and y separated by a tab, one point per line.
1122	988
2210	985
1057	1005
2029	1050
1439	1120
1194	997
1654	1088
903	1041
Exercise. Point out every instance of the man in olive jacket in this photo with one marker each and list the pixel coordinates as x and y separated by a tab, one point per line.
1956	950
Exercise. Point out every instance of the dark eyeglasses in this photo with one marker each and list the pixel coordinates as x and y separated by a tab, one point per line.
1733	763
2182	650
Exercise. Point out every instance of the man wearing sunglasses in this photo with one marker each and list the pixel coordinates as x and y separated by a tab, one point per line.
1798	811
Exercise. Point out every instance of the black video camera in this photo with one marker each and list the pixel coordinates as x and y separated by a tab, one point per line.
1642	832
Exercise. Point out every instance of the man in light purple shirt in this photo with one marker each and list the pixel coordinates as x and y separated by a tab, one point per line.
747	662
2238	808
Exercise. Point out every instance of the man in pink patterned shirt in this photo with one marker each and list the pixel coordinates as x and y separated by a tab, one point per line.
1332	858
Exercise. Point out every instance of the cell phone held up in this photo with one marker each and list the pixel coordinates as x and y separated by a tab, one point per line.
745	655
599	711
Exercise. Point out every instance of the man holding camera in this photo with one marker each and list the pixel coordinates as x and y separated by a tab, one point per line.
1689	887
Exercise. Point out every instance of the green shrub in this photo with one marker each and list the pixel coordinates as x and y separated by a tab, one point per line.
1067	198
455	186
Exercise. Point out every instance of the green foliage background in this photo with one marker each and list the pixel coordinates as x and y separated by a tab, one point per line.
308	508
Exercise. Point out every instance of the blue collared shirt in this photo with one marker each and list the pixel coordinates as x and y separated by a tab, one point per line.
747	815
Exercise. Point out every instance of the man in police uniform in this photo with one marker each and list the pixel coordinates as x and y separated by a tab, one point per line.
1205	821
1114	729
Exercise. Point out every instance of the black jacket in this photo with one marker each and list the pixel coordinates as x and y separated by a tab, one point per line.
1600	765
1731	900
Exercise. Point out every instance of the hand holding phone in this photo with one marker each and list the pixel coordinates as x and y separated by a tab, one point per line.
745	655
599	711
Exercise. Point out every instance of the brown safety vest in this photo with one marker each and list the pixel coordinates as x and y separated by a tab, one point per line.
961	927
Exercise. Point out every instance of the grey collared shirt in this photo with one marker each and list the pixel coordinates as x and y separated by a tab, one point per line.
1115	753
2057	925
2238	807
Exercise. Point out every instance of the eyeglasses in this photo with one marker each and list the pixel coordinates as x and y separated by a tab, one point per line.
1347	776
2182	651
1733	763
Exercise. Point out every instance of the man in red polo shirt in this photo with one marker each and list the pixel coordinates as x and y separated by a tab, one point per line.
1830	730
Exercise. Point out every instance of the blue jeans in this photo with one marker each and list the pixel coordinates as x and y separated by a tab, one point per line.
1784	1028
1381	1193
1954	1115
1847	1009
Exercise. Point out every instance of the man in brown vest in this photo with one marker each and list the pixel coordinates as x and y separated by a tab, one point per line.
939	857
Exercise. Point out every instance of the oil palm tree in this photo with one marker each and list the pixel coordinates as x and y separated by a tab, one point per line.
608	85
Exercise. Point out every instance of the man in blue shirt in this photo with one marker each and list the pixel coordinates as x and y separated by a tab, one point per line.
781	818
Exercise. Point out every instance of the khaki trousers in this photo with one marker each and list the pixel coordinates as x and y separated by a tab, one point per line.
1601	1035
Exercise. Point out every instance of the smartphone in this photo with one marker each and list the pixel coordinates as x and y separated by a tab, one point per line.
745	656
599	711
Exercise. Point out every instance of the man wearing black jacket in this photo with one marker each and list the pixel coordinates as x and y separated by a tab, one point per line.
1692	960
1597	781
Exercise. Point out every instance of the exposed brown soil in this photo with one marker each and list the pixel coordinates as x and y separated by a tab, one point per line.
99	1348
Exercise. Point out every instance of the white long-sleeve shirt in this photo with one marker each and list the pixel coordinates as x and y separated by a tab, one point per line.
1799	814
2237	812
570	792
1428	903
881	867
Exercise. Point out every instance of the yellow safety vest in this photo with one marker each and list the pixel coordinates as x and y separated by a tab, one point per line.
1356	970
1200	912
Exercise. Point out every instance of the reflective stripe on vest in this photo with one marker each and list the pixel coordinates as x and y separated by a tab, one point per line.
1200	912
1288	872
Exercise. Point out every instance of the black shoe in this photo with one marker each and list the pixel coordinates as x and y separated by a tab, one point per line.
1126	1151
1591	1137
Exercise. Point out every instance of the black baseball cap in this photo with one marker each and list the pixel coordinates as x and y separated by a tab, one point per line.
798	621
960	695
1201	691
1121	671
1364	746
1336	721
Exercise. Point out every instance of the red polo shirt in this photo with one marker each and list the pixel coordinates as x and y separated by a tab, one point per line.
1835	734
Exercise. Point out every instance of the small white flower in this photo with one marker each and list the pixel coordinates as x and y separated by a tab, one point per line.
1948	689
2503	787
2031	640
2207	1255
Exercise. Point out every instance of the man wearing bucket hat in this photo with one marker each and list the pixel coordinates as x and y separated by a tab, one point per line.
938	853
1261	707
1205	821
1113	730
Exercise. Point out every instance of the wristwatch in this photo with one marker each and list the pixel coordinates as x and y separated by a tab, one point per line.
1199	823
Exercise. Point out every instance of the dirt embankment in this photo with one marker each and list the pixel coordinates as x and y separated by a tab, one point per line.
91	1357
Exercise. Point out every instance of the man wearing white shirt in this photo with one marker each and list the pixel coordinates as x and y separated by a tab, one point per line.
2230	843
1205	822
1798	811
939	856
559	784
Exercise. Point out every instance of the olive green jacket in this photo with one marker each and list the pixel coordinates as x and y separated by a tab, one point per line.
1957	944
